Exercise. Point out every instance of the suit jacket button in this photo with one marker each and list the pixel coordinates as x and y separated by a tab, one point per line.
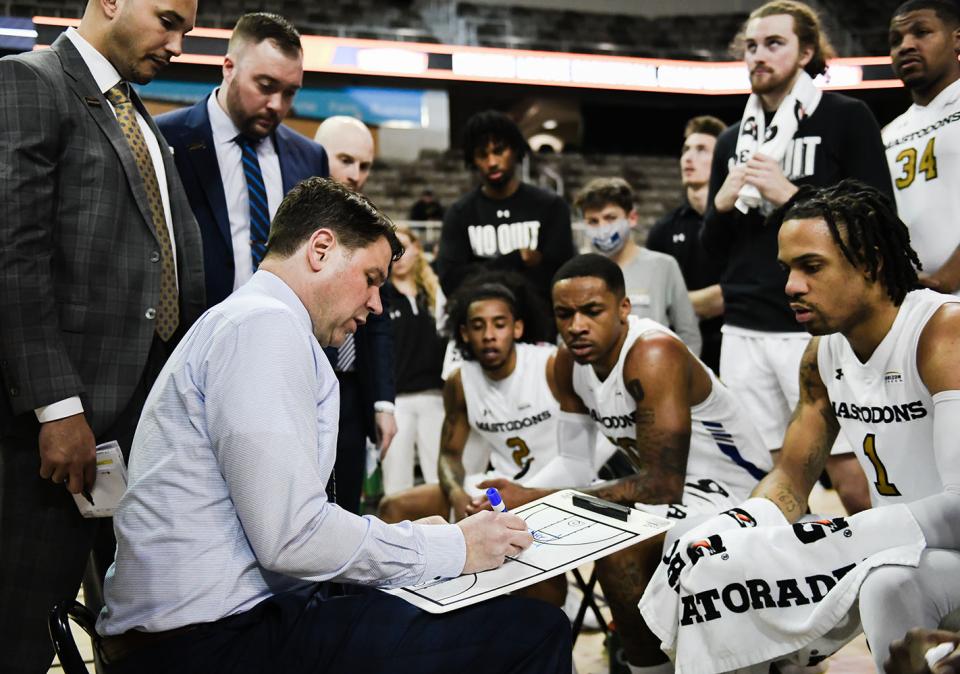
14	391
151	313
155	256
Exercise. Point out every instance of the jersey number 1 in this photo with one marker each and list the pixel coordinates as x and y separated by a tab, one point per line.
908	163
883	484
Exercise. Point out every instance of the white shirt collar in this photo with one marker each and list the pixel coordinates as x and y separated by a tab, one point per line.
274	286
224	130
104	74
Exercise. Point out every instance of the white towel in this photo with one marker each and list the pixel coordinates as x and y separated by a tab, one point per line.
801	102
745	588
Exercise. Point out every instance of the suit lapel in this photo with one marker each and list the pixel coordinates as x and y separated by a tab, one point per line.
288	168
201	152
85	88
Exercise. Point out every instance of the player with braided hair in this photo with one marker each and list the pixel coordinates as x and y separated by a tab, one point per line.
504	391
882	370
884	251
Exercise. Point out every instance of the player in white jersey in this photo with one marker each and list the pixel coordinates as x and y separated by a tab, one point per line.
637	383
726	458
923	144
504	390
884	370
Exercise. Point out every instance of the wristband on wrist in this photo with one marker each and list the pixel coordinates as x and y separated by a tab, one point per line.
384	406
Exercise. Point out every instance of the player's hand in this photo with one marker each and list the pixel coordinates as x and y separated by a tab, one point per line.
459	501
907	654
727	195
68	453
765	174
531	257
513	494
386	429
490	537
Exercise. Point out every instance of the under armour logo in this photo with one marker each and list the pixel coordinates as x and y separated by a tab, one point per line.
679	238
505	213
839	373
523	407
486	412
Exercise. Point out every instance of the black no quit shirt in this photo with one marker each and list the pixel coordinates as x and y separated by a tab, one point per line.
483	233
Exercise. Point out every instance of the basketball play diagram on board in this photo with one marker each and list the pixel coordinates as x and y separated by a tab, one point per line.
564	537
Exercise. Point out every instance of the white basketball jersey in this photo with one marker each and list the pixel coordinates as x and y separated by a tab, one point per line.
517	415
884	409
726	458
923	152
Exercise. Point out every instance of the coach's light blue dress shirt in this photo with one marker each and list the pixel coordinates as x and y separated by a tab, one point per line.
226	503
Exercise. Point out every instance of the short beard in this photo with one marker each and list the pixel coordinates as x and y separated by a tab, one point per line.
245	124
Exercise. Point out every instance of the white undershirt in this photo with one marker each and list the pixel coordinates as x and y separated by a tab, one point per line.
230	161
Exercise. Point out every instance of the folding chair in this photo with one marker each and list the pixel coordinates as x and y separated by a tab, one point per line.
58	624
588	602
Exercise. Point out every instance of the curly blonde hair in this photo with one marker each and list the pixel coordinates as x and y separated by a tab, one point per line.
424	278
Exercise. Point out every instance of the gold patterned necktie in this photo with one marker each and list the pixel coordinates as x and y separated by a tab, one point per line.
168	311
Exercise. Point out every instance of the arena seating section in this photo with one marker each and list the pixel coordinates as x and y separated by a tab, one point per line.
395	186
857	27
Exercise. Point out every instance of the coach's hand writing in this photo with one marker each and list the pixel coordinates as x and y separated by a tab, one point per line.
490	537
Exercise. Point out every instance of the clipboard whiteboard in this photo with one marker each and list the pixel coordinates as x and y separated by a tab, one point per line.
565	536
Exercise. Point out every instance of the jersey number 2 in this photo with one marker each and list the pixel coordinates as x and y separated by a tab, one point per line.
908	163
520	449
883	484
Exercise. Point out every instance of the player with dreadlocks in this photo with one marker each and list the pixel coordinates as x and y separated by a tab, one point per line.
882	368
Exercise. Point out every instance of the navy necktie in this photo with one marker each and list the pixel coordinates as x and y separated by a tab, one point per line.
257	196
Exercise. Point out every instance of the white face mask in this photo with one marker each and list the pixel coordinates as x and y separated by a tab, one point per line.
610	238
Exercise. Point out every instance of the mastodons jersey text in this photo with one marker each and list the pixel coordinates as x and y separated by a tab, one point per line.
726	452
518	415
923	152
884	409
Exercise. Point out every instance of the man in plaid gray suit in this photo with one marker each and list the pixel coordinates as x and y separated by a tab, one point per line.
100	273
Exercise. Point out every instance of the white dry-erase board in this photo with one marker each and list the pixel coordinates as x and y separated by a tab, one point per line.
565	536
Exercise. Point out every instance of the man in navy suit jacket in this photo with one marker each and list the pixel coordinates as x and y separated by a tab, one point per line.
235	159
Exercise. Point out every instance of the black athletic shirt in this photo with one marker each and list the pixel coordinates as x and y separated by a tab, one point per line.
678	234
483	233
840	140
418	348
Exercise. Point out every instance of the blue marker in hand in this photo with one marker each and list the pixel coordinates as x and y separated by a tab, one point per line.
495	501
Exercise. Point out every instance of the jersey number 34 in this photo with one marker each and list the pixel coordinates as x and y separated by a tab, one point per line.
907	158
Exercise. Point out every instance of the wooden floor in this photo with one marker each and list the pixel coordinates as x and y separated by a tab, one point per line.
590	655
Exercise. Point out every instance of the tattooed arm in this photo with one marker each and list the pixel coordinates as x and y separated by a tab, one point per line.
658	375
453	438
806	446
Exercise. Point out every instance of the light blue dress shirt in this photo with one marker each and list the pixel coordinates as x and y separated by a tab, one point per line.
226	503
